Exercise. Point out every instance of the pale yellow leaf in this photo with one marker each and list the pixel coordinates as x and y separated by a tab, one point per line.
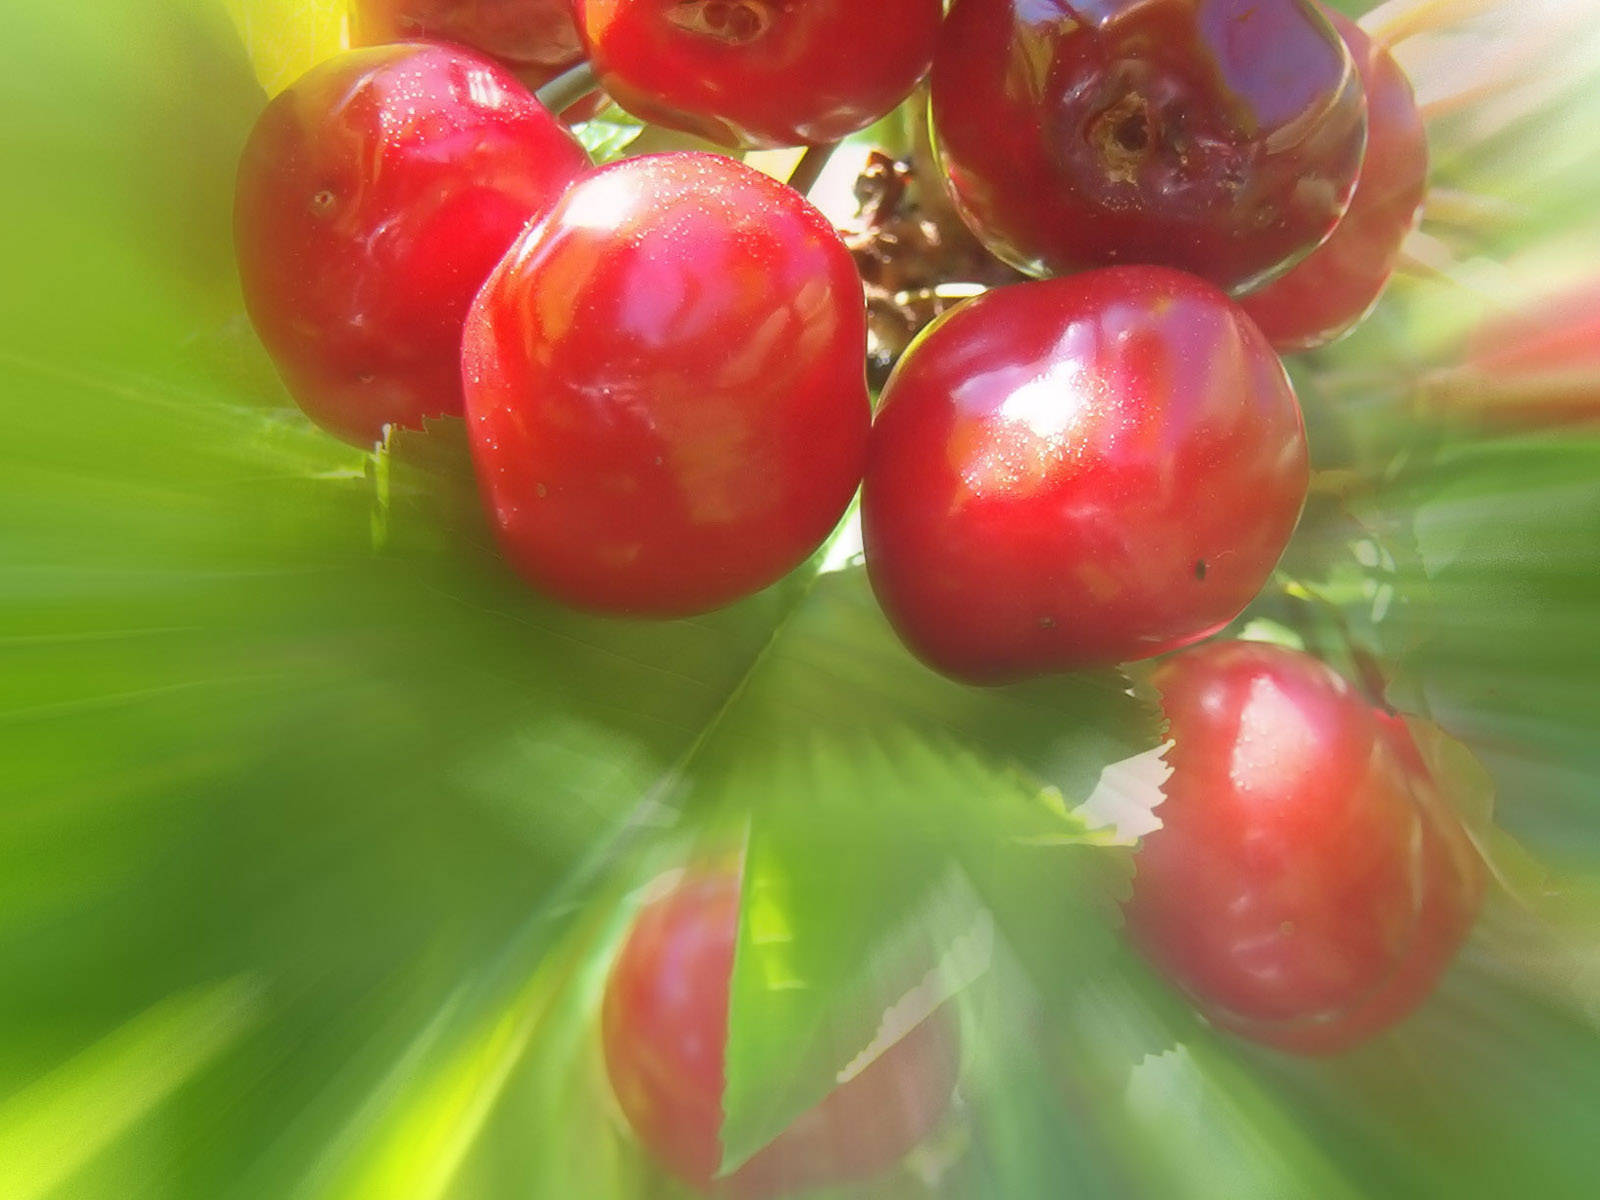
286	38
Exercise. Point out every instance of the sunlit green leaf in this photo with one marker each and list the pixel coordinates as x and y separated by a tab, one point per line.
52	1128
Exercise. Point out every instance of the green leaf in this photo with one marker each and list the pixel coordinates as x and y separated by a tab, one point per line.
609	135
1508	647
50	1130
879	872
849	905
1412	1113
1120	1091
866	794
502	1066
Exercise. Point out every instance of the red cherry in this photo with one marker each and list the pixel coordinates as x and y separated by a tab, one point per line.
665	387
1222	137
1327	294
664	1023
374	197
1077	472
1309	884
760	72
1453	877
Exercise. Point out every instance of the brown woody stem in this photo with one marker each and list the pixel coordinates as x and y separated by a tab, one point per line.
809	169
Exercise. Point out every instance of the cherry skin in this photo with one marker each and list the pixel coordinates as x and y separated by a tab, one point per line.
1309	883
1328	293
665	387
1222	137
374	197
760	72
664	1024
1453	876
1076	472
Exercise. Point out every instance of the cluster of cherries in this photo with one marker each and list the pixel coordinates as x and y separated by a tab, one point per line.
660	364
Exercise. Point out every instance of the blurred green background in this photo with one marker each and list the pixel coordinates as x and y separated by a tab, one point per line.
316	830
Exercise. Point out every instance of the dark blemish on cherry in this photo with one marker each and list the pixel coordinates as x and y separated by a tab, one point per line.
1132	132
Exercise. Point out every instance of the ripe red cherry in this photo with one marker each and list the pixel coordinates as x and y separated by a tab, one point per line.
1219	136
664	1025
1077	472
1327	294
374	197
666	390
760	72
1309	884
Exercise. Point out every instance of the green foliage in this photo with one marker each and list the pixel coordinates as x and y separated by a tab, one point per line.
282	735
317	829
1507	530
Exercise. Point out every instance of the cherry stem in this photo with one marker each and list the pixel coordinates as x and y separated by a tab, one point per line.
809	169
567	88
